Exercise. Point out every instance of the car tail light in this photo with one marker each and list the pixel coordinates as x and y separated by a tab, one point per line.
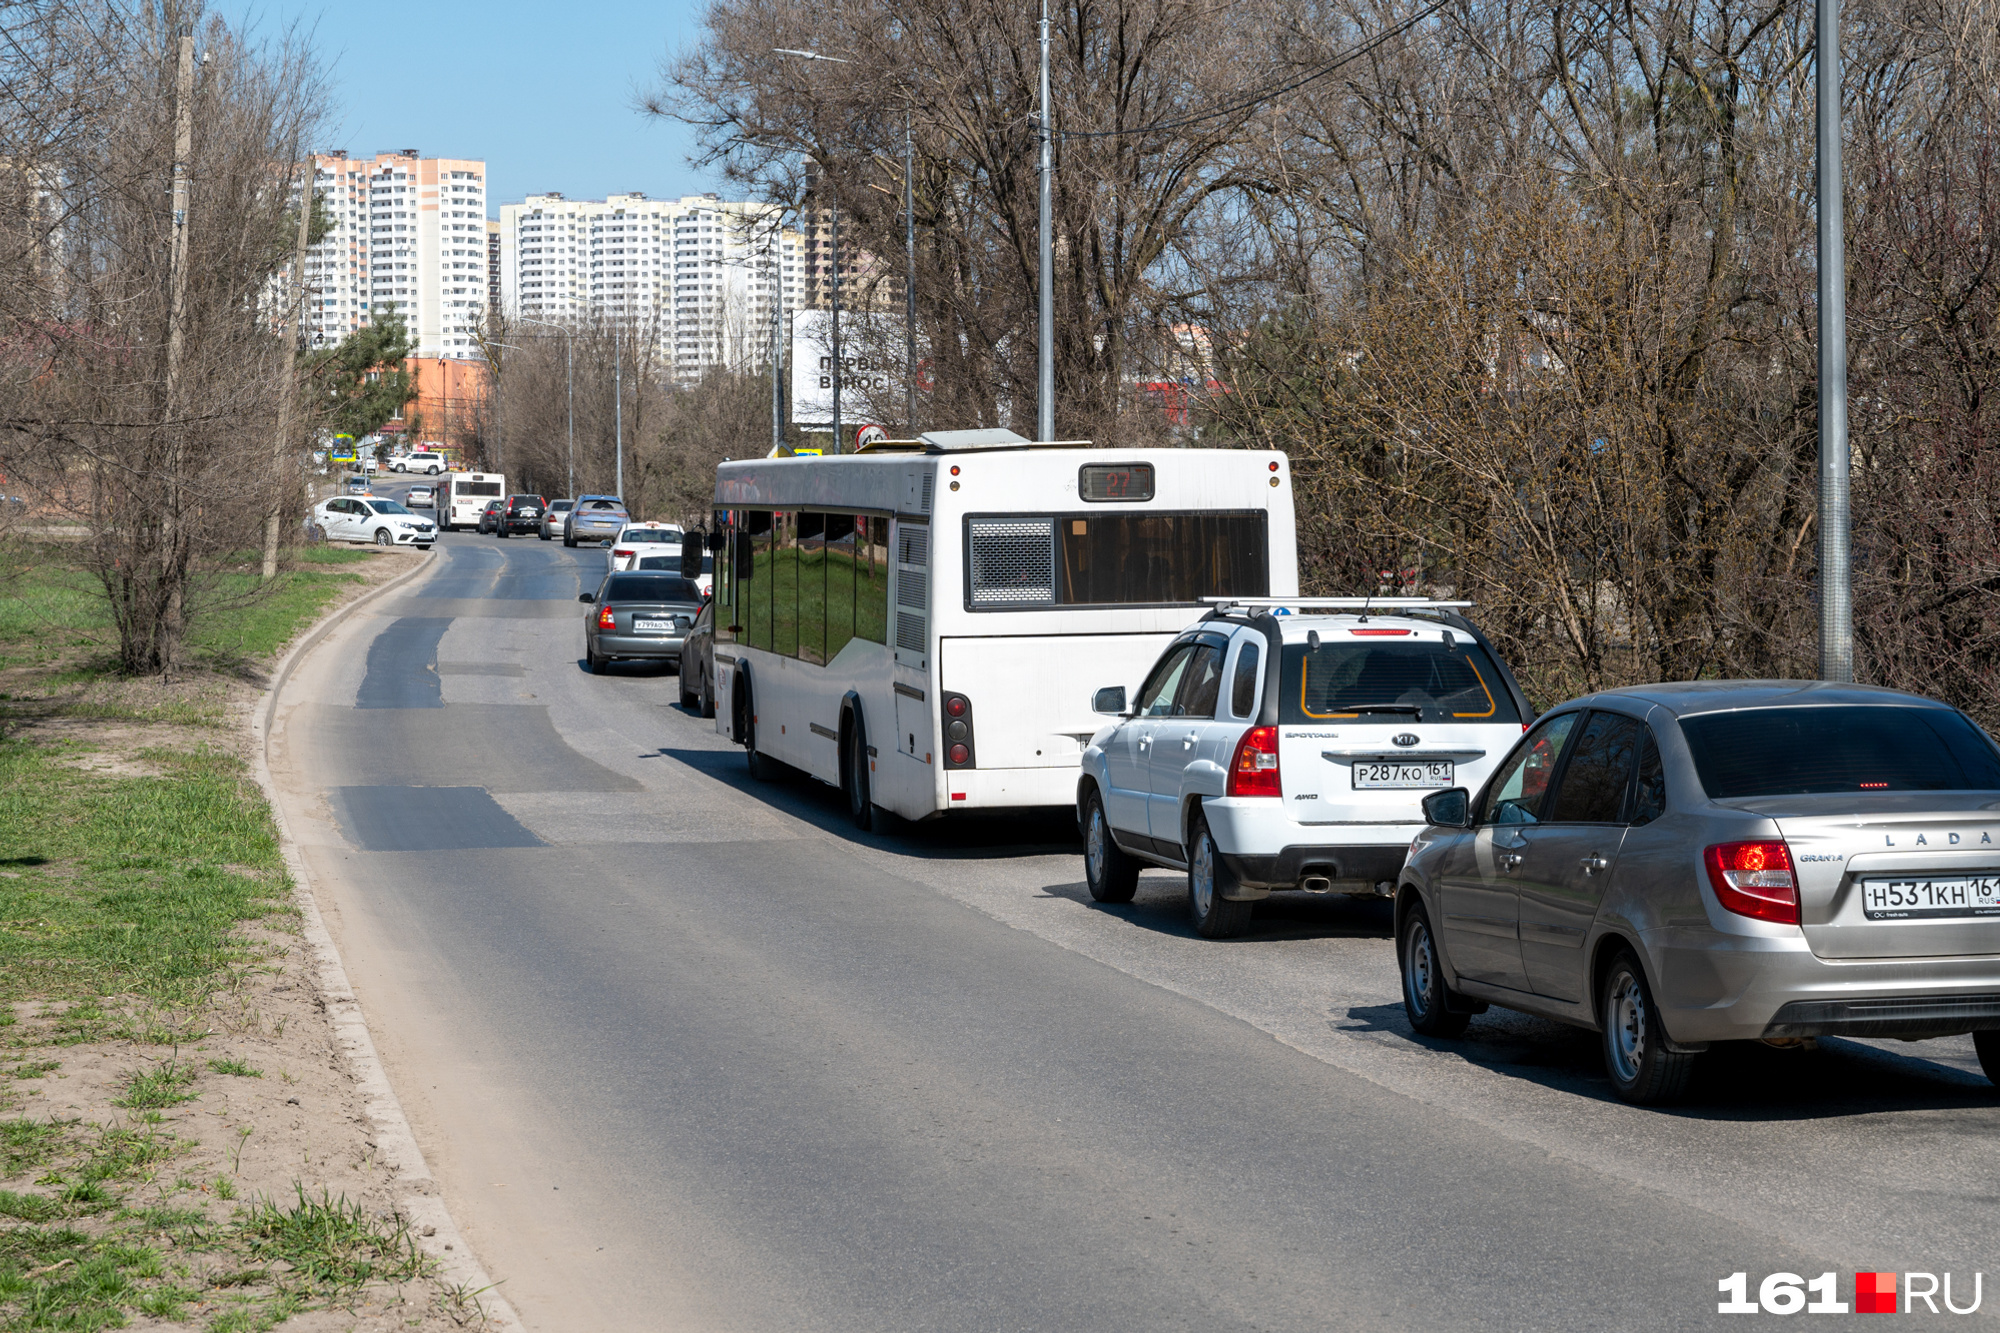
1254	770
958	752
622	555
605	620
1755	879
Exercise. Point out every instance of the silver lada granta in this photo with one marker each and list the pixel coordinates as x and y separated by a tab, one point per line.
1676	865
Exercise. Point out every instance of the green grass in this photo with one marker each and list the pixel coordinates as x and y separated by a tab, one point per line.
331	1244
128	886
155	1089
235	1067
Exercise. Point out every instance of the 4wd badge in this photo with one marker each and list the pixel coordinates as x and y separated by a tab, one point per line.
1406	739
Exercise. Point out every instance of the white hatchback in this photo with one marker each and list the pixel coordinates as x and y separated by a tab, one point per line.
643	539
1288	744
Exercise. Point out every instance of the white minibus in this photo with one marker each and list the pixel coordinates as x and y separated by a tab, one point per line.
924	625
464	495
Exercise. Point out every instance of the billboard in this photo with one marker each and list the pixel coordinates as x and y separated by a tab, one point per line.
867	385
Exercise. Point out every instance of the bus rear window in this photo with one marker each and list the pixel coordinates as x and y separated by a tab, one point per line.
1020	561
1418	681
469	489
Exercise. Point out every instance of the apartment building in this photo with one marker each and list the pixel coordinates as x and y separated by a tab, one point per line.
409	232
700	273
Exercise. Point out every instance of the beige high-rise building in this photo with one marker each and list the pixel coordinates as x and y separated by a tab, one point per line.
409	232
702	273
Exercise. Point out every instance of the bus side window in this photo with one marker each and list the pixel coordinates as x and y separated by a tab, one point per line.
871	580
756	593
812	588
785	584
840	556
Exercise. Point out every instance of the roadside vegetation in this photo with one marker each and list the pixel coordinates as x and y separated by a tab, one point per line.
142	901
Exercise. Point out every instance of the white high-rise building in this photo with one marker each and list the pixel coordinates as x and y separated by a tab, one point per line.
408	232
701	272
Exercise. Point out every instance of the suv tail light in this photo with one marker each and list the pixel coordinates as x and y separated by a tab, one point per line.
1254	769
1754	879
958	751
605	620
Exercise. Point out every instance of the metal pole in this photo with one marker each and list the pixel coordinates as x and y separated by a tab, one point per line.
836	324
569	358
1045	394
288	387
618	403
1836	587
777	331
910	280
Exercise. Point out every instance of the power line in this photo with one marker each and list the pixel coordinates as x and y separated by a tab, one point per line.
1251	99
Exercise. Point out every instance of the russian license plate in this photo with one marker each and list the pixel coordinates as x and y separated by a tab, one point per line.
1377	774
1930	895
652	626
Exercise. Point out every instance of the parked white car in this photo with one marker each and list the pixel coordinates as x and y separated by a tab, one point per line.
1291	751
349	518
420	461
643	539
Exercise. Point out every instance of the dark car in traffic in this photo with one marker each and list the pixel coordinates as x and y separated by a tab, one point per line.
489	517
520	513
698	664
596	518
638	616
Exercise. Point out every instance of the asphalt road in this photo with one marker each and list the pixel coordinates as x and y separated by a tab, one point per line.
686	1051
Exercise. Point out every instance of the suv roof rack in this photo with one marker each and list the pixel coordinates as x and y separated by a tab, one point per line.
1223	604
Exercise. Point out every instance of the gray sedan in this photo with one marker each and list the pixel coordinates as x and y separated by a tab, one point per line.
1677	865
638	617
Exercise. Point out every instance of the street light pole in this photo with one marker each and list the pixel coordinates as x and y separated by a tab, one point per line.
777	330
1836	587
618	406
1045	395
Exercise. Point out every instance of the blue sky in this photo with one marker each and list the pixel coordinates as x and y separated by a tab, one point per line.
548	104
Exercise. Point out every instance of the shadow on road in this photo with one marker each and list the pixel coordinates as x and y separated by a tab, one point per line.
1744	1081
1161	905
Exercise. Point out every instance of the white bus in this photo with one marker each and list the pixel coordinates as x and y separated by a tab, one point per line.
924	625
463	496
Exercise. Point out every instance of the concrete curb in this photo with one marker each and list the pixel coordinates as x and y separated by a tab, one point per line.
418	1196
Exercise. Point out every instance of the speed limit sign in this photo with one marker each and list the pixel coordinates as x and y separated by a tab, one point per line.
868	435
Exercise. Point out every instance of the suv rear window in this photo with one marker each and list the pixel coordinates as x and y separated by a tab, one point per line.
1851	747
1390	682
649	588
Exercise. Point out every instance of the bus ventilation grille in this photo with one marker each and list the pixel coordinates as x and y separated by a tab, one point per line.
909	632
930	480
1013	562
912	585
913	545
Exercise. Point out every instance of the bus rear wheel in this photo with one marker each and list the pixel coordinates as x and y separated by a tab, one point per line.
762	766
854	775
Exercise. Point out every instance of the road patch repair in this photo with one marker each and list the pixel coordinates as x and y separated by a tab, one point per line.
185	1139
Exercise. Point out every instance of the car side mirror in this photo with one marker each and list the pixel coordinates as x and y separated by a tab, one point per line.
1448	809
1109	700
586	597
691	553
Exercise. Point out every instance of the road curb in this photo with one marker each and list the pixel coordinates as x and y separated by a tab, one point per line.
418	1195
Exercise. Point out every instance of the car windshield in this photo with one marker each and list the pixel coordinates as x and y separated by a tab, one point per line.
1389	682
648	588
651	535
387	507
1861	747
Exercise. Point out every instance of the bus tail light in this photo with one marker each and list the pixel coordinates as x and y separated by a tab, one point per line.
1254	769
958	751
1755	879
605	620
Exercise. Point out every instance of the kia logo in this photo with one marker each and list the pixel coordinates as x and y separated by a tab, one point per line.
1406	739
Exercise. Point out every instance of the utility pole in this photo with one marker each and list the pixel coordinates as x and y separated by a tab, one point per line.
910	280
569	369
172	531
1045	352
1836	587
618	405
777	331
288	387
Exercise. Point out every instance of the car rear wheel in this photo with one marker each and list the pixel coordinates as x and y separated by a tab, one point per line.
382	537
568	540
500	529
688	701
1426	999
433	470
707	696
1111	875
1643	1071
1988	1046
1215	917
